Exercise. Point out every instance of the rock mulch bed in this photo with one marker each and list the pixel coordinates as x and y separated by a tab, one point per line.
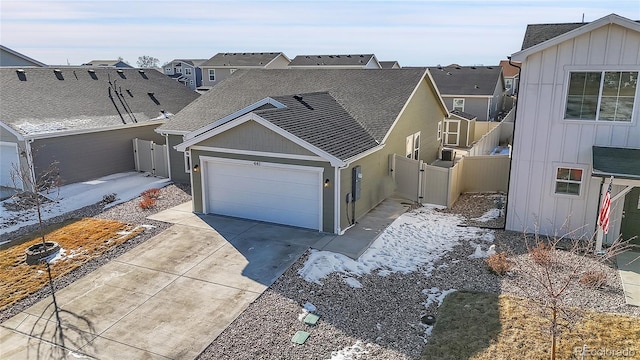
382	319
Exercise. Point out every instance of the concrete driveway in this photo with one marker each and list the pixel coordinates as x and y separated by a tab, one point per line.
165	299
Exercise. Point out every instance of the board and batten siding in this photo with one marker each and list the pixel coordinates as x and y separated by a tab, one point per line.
544	140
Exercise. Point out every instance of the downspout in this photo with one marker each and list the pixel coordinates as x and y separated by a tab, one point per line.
513	140
166	142
31	164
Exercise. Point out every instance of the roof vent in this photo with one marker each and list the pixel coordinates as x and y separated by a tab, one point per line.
143	74
58	73
153	98
348	56
361	55
473	67
92	73
490	67
476	86
121	73
21	75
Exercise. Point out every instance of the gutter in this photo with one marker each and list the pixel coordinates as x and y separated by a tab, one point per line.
513	140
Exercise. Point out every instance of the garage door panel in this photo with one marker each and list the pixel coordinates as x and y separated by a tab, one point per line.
288	195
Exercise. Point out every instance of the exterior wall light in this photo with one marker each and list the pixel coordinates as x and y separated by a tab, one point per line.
327	183
196	168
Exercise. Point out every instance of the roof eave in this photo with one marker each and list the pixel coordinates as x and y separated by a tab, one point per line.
609	19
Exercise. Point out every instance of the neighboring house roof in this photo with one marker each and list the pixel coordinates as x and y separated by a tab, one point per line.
115	63
193	62
463	115
374	99
618	162
252	59
508	70
563	33
6	61
320	120
538	33
389	64
43	101
466	80
359	60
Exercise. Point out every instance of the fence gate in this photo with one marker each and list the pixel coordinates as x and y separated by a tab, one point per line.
407	175
150	157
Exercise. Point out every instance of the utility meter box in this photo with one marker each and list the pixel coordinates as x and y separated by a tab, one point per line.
356	182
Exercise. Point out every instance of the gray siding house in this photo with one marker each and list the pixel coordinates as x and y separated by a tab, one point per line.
577	130
9	57
84	118
110	63
346	61
185	71
222	65
476	90
308	148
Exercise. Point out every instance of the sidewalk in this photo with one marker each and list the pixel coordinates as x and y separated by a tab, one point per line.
629	269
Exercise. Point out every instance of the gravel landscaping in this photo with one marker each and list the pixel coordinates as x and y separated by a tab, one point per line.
382	319
377	315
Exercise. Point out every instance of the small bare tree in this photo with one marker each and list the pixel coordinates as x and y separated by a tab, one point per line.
553	269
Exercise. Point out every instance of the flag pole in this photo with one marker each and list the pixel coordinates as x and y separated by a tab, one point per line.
605	192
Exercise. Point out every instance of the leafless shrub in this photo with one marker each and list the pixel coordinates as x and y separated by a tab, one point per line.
499	264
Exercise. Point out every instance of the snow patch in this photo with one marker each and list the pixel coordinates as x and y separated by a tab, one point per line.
481	254
353	282
415	239
351	352
435	295
489	215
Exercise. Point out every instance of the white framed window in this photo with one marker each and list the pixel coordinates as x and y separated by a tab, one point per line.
508	83
458	104
187	162
601	95
212	74
167	70
231	71
568	181
412	150
439	133
191	82
187	71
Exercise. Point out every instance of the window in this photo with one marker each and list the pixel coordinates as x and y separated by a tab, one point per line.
412	150
458	104
187	71
167	70
439	133
508	84
601	95
187	161
212	74
568	181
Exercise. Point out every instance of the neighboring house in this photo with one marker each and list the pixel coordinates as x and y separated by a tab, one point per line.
458	129
578	124
84	118
222	65
293	146
9	57
389	65
476	90
511	76
109	63
348	61
185	71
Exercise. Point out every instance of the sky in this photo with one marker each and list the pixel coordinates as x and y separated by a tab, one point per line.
414	32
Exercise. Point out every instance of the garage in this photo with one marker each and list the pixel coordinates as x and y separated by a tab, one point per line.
271	192
8	158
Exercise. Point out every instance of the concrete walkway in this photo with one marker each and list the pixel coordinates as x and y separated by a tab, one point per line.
165	299
629	268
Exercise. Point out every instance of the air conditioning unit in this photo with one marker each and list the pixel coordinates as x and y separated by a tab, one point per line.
448	154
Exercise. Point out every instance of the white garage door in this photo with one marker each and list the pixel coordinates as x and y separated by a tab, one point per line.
8	157
283	194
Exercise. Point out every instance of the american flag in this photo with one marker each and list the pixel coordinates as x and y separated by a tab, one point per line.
605	210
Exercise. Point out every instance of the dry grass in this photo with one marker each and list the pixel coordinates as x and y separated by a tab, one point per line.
81	240
483	326
499	264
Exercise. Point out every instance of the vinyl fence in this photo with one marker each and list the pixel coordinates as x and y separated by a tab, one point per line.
151	157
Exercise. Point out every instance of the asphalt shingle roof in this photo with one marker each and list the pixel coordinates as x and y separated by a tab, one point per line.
258	59
463	114
466	80
34	100
373	98
539	33
619	162
332	60
321	121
